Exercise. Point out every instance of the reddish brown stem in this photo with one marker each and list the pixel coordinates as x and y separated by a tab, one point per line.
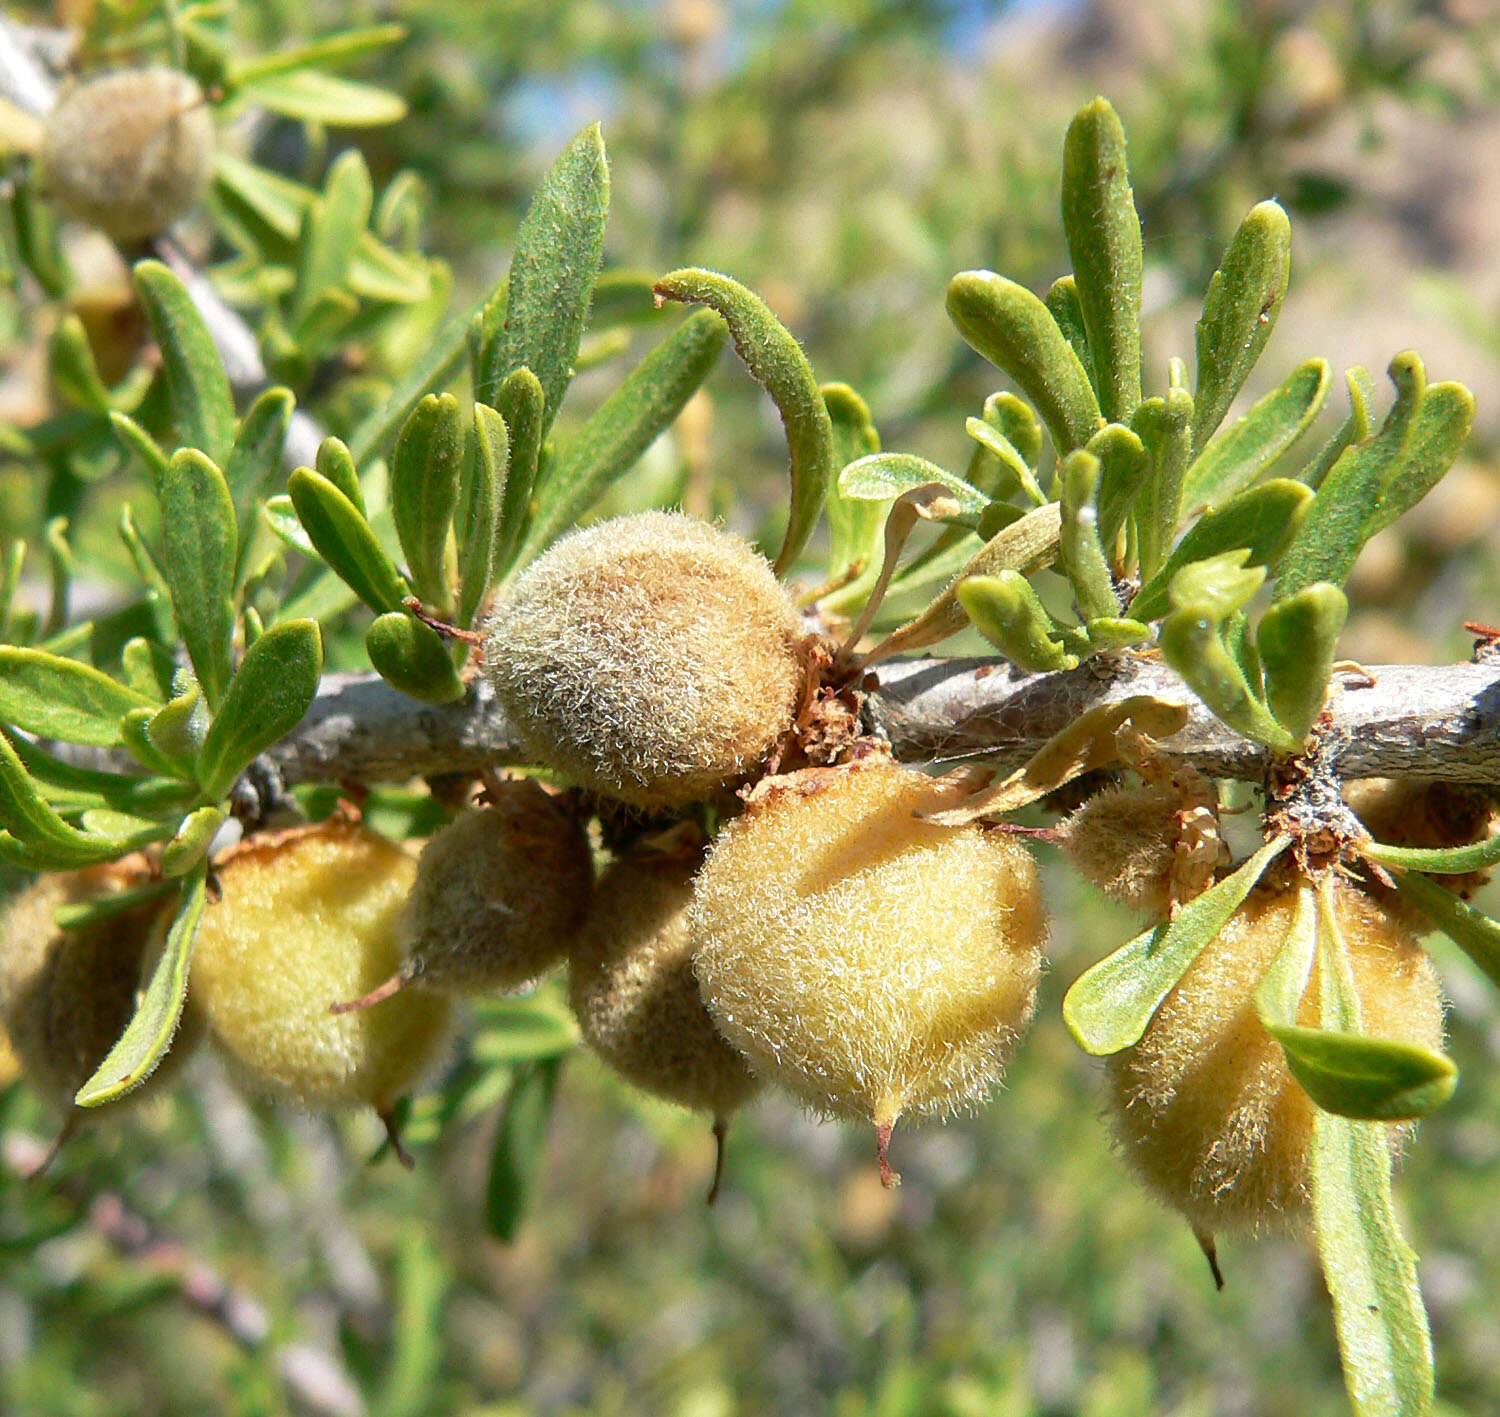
394	985
721	1130
451	632
1211	1254
393	1135
889	1176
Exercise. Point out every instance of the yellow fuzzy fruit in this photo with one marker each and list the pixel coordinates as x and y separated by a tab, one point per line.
637	1001
500	893
871	963
1124	840
1425	813
1204	1107
305	919
129	152
67	995
650	659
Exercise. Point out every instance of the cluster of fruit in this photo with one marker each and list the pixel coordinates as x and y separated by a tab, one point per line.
768	915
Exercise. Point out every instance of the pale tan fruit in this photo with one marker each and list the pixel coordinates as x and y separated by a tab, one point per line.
130	151
635	996
307	918
499	894
1423	812
67	995
1204	1107
1124	840
873	964
649	659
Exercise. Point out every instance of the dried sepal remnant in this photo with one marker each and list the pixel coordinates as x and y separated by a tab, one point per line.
67	995
649	659
1204	1107
873	964
636	997
500	892
305	919
130	151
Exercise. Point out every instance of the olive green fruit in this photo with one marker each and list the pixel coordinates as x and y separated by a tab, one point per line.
871	963
637	1001
499	894
1204	1107
306	918
130	151
67	995
649	659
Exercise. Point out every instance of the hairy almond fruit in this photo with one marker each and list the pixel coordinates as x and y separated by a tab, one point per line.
500	893
129	151
1204	1107
307	918
67	995
649	659
1425	813
873	964
1124	840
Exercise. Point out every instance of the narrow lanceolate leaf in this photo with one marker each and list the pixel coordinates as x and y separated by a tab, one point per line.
1370	1270
478	517
197	385
519	1142
1261	519
1354	429
137	440
1441	860
72	367
271	690
149	1034
343	538
1011	328
1236	456
198	552
1471	930
311	97
559	248
191	841
1104	243
1239	312
424	491
1441	429
256	454
1062	302
776	362
1007	611
335	462
1296	640
882	477
1124	466
628	422
331	227
519	401
31	820
54	697
1079	554
854	526
1279	995
1164	426
1002	470
413	658
1110	1005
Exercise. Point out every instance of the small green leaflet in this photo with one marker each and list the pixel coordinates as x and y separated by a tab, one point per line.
61	698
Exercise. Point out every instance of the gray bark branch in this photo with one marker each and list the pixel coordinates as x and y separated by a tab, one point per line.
1415	720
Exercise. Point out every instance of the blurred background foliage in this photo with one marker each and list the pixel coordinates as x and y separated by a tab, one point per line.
203	1254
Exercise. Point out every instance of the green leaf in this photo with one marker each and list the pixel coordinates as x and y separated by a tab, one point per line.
312	97
1441	428
413	658
1442	860
196	382
880	477
1164	426
149	1034
281	517
559	248
72	369
1354	429
256	454
1005	458
854	526
1296	639
1262	520
424	491
1471	930
1007	611
512	1031
331	227
1369	1079
275	685
776	362
344	540
1238	455
335	462
83	914
627	423
332	49
1104	243
1279	995
520	402
198	550
477	523
1016	421
519	1144
1079	555
1239	312
190	842
443	355
1011	328
137	440
1063	305
1370	1270
1115	632
1111	1004
53	697
67	786
1124	466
